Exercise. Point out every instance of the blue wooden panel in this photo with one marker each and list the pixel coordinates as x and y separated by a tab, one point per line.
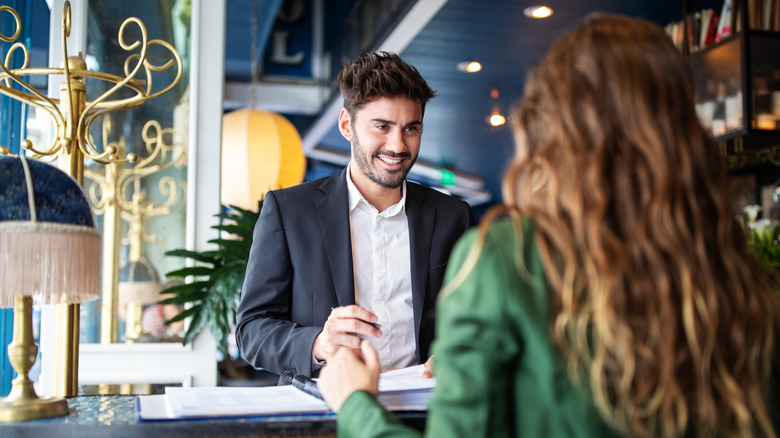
6	334
292	30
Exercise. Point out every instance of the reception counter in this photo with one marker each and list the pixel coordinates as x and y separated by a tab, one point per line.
114	416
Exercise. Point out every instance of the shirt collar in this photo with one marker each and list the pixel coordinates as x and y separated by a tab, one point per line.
355	197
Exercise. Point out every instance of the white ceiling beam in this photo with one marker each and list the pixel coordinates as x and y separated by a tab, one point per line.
290	98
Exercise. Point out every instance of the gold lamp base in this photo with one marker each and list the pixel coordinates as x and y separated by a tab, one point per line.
22	403
23	410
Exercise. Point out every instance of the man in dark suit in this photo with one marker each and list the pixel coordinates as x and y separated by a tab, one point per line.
358	254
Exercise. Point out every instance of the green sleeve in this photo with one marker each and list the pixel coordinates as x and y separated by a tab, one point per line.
362	416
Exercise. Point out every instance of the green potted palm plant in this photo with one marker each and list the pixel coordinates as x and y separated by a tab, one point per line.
216	277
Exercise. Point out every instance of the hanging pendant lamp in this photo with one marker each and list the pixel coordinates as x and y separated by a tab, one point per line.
261	150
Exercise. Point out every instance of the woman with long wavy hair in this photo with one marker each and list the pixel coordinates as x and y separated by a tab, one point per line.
613	293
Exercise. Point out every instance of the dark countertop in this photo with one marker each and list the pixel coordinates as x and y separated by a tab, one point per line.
114	416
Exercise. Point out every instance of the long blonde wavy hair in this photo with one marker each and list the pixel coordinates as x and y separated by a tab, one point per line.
656	301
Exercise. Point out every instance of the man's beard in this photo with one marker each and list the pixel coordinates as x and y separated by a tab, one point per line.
386	179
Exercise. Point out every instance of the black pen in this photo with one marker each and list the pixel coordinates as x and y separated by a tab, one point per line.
372	324
307	385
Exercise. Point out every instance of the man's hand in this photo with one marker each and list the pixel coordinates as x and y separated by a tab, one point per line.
428	371
347	371
344	328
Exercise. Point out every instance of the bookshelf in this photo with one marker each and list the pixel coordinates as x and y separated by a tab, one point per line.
734	50
736	67
738	87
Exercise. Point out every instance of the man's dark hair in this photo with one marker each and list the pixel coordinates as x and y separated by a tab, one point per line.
378	75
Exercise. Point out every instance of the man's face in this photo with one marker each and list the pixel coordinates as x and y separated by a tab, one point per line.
385	136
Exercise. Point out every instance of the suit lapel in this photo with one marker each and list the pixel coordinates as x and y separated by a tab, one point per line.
333	214
420	218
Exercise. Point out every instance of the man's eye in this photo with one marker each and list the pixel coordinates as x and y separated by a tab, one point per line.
380	126
412	128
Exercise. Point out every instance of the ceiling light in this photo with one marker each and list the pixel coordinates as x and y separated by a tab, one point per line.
496	119
469	66
537	12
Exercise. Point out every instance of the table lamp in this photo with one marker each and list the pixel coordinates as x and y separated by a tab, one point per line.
49	252
138	286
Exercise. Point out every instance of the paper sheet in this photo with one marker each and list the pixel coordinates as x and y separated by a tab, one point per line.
235	401
405	379
153	407
405	400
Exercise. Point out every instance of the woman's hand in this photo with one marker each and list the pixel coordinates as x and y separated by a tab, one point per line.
349	370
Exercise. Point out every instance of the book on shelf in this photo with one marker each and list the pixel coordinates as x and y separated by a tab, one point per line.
709	26
724	24
776	15
694	31
763	14
766	15
701	29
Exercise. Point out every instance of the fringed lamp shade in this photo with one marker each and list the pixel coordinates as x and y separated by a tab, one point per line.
261	151
138	283
138	286
49	247
50	253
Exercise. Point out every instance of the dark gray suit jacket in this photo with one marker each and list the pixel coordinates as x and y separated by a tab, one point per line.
300	267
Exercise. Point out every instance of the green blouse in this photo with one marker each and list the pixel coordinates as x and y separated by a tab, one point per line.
498	373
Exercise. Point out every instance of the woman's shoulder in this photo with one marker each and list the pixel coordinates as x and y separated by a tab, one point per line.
500	235
502	250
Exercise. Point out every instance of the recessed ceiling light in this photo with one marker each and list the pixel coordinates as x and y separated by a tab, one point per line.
537	12
496	119
469	66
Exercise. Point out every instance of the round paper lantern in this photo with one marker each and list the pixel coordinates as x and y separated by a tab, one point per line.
261	151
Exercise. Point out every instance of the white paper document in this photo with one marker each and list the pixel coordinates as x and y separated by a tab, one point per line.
234	401
405	400
405	379
153	407
399	390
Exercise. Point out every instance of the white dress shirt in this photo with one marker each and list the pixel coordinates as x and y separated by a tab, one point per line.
383	276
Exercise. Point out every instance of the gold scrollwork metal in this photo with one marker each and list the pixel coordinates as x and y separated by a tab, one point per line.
164	150
114	198
74	119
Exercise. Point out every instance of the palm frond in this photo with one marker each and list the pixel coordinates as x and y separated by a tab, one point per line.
216	278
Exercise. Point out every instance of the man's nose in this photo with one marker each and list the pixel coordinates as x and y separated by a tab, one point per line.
396	141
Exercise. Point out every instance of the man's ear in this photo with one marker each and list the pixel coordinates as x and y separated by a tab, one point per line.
345	124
